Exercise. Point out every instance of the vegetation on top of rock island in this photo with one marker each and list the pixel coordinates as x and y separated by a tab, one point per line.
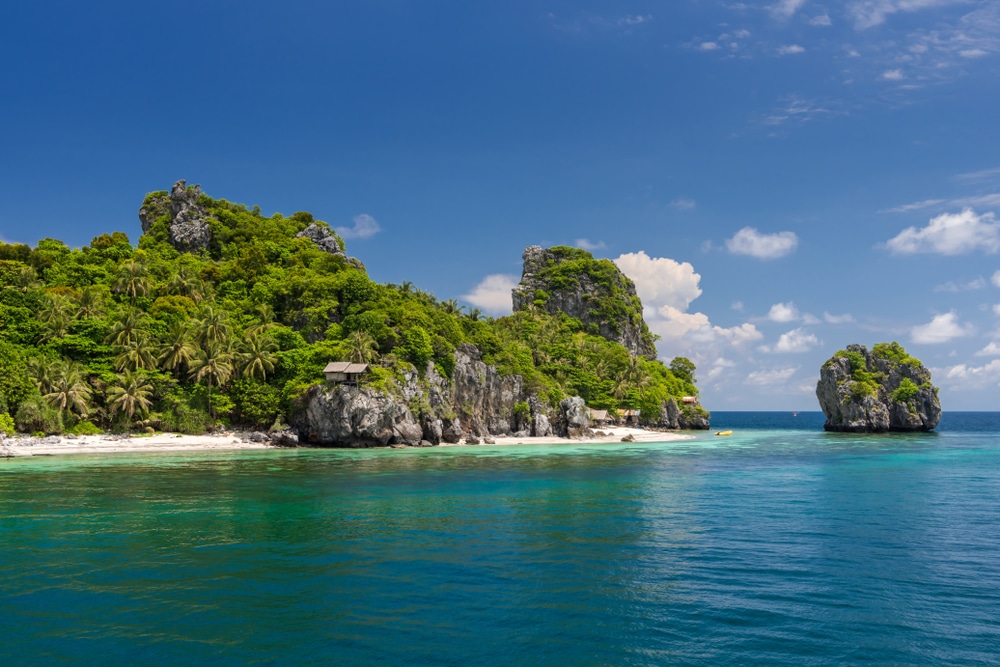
118	336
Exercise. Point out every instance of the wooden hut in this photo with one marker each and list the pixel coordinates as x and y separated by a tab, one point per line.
344	372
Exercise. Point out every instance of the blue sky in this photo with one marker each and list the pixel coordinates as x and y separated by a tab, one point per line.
780	178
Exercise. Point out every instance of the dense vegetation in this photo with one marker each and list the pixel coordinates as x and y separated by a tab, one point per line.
865	382
112	336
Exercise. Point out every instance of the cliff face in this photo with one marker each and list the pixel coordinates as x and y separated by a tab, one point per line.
569	280
188	220
475	403
876	391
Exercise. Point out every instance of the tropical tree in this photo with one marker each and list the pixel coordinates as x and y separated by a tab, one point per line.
257	356
132	279
69	391
186	282
177	349
135	355
213	327
129	394
90	303
213	364
43	372
361	347
131	326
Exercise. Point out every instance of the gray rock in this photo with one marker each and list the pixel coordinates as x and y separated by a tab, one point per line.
850	405
472	439
323	238
489	441
481	394
522	434
284	439
575	417
258	437
628	438
433	429
188	228
348	416
576	300
425	443
452	433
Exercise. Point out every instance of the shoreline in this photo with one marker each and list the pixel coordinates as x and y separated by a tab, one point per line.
17	447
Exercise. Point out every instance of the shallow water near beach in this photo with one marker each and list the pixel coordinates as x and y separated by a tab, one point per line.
778	545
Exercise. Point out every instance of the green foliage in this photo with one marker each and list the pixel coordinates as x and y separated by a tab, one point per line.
417	347
84	428
255	403
907	390
35	415
7	424
683	369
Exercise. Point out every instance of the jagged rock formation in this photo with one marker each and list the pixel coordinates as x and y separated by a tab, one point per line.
476	402
878	391
188	220
574	418
323	238
688	418
569	280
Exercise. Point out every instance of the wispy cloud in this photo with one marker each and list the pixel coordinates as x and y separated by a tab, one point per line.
981	175
708	46
748	241
794	108
790	49
838	319
870	13
683	204
823	20
365	226
915	206
771	377
893	75
952	287
587	244
786	8
950	234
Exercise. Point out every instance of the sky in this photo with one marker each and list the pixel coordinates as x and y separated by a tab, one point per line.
780	179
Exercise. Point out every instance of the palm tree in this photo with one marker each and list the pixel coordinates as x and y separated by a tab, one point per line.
127	329
256	357
266	315
213	327
132	279
68	391
176	351
90	303
135	355
361	347
130	394
27	279
186	282
43	372
213	363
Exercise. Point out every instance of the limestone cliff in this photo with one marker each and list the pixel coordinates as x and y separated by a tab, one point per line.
187	219
594	291
877	391
476	402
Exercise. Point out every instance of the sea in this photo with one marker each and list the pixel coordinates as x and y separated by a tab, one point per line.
778	545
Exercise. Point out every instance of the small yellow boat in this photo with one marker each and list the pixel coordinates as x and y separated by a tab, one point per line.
723	433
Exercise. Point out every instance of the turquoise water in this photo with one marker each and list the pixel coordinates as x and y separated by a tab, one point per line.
780	545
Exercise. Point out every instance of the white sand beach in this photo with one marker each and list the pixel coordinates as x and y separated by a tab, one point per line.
603	436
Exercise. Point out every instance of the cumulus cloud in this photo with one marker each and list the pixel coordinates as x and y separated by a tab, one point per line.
792	342
991	350
963	376
823	20
587	244
893	75
941	329
708	46
790	49
749	241
660	281
838	319
783	312
492	294
771	377
364	227
950	234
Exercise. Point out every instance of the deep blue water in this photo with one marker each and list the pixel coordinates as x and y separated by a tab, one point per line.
779	545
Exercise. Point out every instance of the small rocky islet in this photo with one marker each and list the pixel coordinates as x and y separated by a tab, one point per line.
877	391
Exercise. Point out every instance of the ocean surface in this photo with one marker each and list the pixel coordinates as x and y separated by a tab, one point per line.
779	545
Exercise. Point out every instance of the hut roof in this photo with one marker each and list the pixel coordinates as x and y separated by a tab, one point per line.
345	367
598	415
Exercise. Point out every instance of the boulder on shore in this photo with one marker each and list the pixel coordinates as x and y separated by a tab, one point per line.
885	389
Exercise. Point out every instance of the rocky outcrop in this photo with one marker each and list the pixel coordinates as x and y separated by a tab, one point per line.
877	391
323	238
480	394
569	280
574	417
673	417
350	416
188	228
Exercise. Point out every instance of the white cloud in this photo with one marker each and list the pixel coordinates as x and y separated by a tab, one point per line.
893	75
951	286
795	341
995	279
493	294
770	377
973	53
982	174
708	46
741	34
683	204
870	13
638	19
915	206
364	227
589	245
786	8
991	350
941	329
660	281
738	305
749	241
783	312
790	49
967	377
950	234
838	319
996	309
802	110
823	20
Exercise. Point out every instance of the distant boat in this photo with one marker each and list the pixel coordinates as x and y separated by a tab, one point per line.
723	433
795	414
